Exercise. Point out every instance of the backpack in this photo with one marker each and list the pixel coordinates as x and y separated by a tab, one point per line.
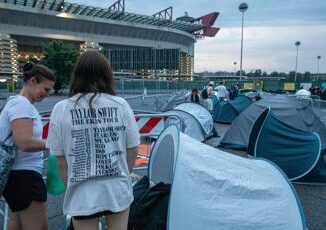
204	94
149	209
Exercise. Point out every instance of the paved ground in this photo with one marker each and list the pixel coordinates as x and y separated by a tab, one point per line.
313	198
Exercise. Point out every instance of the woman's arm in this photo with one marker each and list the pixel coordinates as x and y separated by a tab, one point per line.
131	157
63	168
22	131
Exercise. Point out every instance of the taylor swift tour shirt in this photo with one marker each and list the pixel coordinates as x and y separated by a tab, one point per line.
94	142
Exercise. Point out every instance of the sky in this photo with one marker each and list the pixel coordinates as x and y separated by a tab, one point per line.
271	28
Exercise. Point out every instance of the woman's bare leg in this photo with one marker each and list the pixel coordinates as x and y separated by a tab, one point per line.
34	217
118	221
91	224
14	222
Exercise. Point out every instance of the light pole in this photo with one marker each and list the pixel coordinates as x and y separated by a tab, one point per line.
318	58
243	8
235	68
297	44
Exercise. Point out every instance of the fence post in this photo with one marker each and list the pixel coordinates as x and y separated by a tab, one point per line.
122	86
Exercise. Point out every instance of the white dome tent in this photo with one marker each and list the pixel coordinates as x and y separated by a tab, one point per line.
197	122
212	188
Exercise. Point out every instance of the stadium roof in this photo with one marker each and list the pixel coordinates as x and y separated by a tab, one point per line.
104	13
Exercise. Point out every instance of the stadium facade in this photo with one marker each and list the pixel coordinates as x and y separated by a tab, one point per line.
153	45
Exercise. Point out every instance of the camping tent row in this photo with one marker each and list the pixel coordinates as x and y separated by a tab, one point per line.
285	131
167	104
212	188
227	111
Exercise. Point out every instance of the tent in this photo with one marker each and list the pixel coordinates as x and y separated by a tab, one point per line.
285	131
196	120
303	93
227	111
171	102
212	188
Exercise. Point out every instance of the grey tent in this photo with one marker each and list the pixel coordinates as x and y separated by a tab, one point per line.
162	156
196	120
227	111
169	103
285	131
212	188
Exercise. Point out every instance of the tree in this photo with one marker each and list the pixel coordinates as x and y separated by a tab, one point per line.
306	77
250	74
282	75
291	76
238	73
258	73
274	74
61	58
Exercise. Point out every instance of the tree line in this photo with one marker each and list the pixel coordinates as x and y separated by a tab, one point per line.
61	57
259	74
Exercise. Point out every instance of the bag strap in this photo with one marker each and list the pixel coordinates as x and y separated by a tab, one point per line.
1	108
9	136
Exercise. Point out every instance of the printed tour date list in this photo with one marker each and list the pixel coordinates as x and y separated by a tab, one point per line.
96	157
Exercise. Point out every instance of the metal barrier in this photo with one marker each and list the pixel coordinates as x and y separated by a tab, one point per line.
148	124
147	103
154	124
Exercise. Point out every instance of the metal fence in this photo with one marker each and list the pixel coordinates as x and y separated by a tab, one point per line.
318	106
148	103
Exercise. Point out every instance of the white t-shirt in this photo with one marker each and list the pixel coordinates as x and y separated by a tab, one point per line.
20	107
94	143
209	91
222	91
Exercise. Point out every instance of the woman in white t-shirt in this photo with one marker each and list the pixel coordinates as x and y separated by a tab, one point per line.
95	136
25	191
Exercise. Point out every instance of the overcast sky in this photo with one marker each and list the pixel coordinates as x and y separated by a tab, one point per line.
271	27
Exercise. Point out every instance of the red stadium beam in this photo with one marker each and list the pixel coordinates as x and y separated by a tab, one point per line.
208	21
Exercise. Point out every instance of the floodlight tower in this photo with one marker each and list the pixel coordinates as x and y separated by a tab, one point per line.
318	58
243	8
297	44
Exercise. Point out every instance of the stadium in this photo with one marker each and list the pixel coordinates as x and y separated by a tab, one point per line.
135	44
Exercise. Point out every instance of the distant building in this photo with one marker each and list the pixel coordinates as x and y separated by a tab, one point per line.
8	58
318	77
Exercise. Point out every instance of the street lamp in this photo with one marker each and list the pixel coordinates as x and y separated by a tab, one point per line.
235	68
243	8
297	44
318	58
